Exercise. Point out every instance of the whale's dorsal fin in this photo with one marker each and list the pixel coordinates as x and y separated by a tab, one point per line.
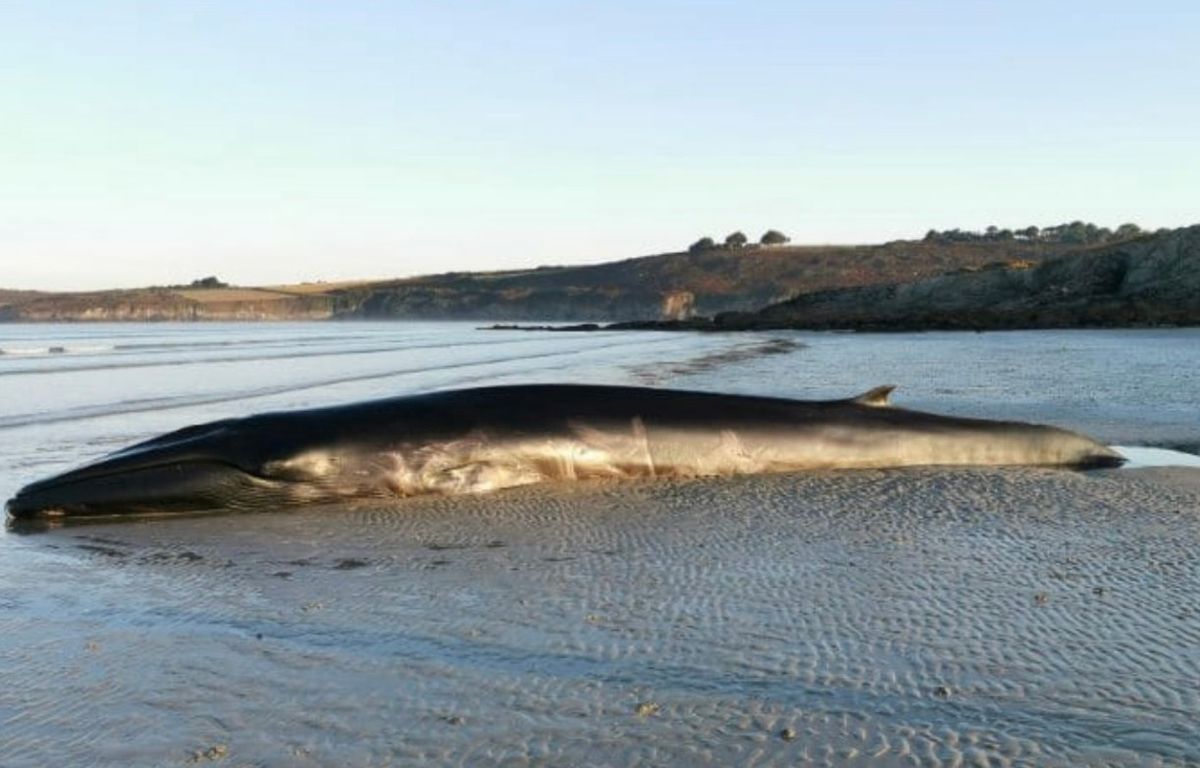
875	398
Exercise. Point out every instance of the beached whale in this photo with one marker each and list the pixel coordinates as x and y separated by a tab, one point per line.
474	440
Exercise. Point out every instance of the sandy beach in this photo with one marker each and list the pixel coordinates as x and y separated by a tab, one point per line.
932	617
978	617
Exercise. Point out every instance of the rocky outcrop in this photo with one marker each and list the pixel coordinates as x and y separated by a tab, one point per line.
678	305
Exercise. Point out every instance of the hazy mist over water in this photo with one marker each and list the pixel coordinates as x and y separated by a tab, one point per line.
1026	616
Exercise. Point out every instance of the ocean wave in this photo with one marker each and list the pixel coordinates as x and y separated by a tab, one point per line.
139	405
290	353
56	349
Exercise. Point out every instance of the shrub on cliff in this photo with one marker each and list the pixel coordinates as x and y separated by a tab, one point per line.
1073	233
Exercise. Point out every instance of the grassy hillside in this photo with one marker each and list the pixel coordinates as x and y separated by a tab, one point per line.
161	304
1147	280
670	285
674	285
8	297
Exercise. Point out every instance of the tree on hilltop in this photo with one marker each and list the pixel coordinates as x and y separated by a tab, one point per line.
209	282
736	240
703	244
1072	233
1126	231
774	237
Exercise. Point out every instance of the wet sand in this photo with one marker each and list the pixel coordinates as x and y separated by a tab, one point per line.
998	617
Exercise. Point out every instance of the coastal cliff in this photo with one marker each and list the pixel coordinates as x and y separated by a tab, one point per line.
1148	280
673	286
669	286
163	304
947	280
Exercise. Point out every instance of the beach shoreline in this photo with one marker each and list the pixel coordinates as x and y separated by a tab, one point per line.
1029	617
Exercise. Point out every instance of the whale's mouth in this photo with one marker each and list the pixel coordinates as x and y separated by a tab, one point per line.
180	486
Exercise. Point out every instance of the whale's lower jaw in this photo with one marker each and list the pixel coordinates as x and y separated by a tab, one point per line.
1108	459
176	487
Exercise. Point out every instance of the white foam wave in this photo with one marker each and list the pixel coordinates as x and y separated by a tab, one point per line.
58	349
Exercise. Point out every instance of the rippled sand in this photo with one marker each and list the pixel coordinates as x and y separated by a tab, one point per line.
993	617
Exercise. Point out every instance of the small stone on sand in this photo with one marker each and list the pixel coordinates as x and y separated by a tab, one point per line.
215	752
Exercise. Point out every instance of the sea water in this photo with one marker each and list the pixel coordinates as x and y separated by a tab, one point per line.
660	623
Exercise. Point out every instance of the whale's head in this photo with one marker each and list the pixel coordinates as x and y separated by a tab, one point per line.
1064	448
202	468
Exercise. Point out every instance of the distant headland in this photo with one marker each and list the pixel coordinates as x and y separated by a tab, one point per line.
1075	274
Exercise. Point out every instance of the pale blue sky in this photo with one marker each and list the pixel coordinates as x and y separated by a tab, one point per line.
157	142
